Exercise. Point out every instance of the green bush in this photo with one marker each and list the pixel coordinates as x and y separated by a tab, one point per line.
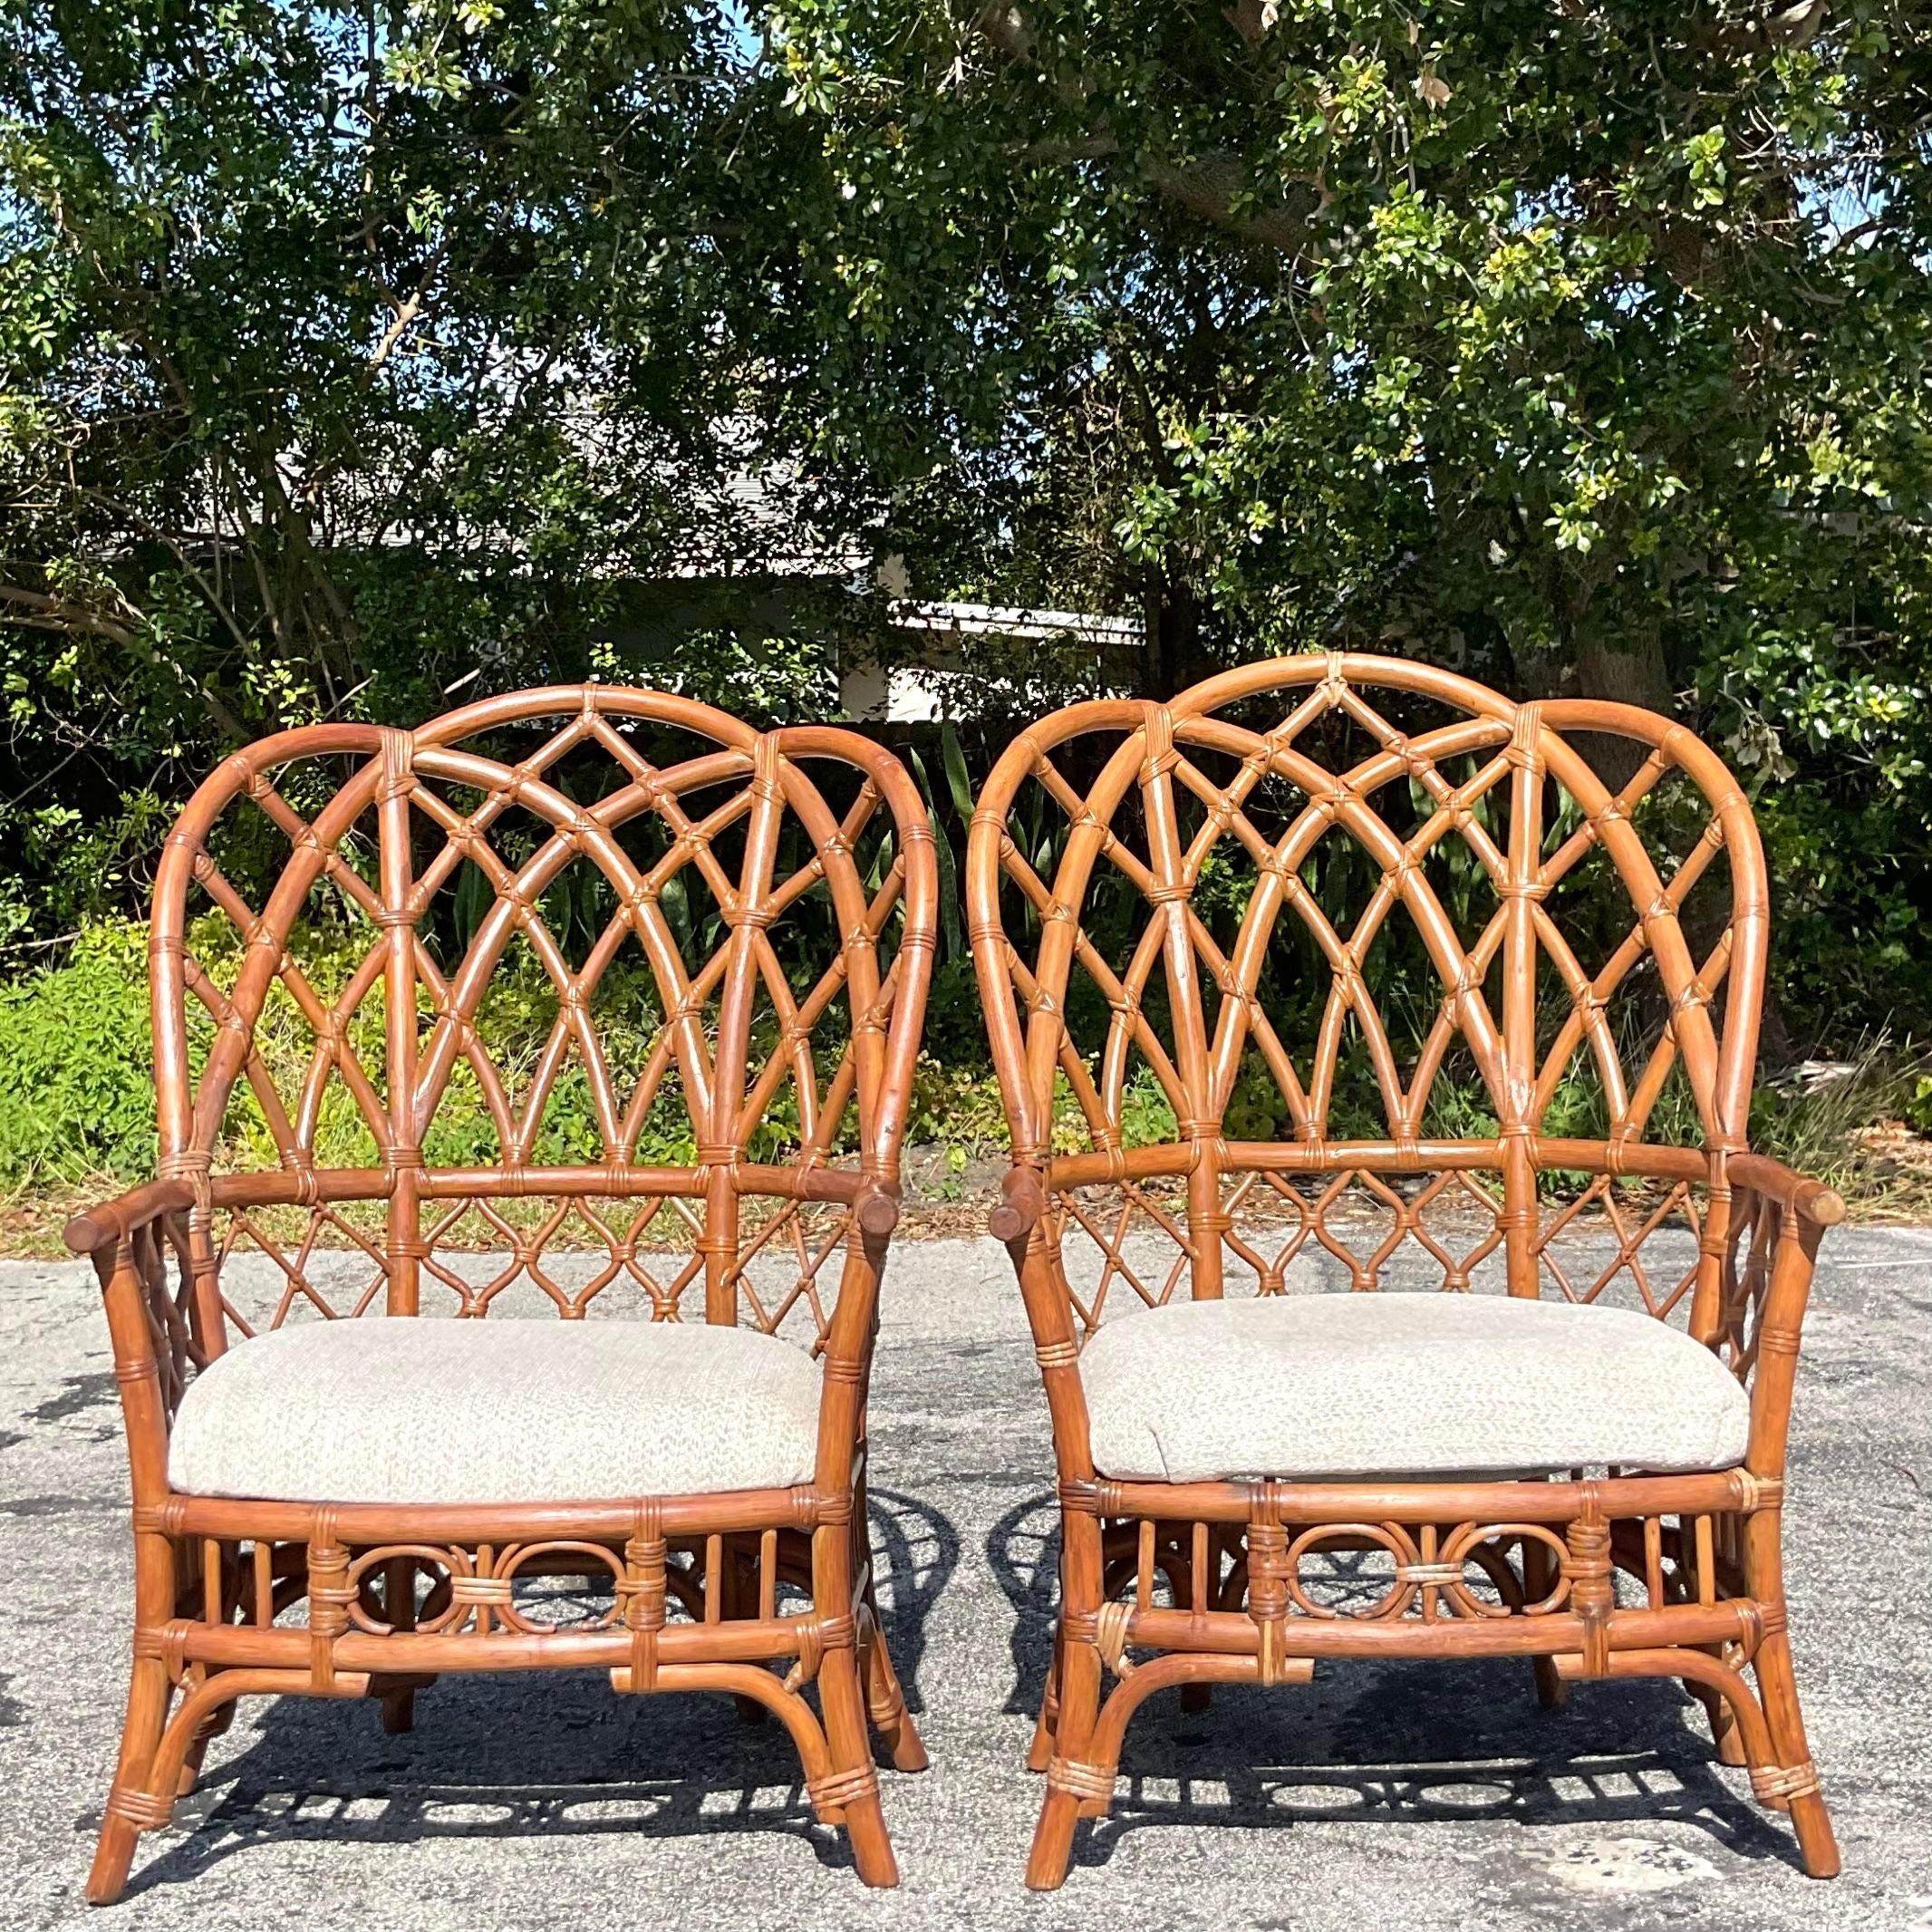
76	1084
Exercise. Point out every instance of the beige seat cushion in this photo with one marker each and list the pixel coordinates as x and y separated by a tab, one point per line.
428	1410
1395	1383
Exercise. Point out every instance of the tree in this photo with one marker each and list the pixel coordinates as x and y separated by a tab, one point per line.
349	348
1585	346
345	349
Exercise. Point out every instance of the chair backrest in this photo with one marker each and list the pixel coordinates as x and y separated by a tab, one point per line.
1498	962
714	944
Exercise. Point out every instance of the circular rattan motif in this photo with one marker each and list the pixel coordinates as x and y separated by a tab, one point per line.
1355	1536
1486	1544
446	1607
594	1558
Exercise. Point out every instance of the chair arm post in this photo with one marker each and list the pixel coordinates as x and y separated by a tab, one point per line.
137	1370
1779	1326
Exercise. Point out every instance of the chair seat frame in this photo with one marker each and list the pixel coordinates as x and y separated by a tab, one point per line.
1702	1596
216	1576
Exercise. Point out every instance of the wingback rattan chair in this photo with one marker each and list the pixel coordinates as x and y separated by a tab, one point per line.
342	1508
1549	1098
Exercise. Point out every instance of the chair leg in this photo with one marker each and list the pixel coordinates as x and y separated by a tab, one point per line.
852	1786
399	1608
1794	1786
1539	1577
1071	1783
885	1695
1039	1753
132	1808
737	1601
1197	1697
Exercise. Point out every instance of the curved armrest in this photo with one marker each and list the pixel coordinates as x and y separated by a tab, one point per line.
112	1221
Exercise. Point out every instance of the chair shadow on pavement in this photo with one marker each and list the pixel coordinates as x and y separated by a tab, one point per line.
1395	1743
544	1753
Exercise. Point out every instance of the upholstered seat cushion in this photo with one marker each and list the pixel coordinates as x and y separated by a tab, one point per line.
418	1410
1399	1384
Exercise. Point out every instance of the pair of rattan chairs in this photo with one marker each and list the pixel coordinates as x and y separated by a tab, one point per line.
1584	1470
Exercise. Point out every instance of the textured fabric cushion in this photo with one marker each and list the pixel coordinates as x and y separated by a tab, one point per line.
426	1410
1402	1384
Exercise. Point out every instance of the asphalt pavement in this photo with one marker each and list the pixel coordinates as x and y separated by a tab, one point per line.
1399	1796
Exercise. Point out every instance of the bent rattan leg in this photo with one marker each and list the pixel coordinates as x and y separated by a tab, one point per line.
1179	1667
1769	1738
145	1800
852	1788
1793	1784
1070	1780
849	1792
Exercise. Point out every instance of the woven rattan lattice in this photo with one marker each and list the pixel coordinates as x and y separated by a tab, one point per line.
1529	1006
655	879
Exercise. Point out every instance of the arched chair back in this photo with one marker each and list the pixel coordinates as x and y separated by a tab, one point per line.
713	944
1335	954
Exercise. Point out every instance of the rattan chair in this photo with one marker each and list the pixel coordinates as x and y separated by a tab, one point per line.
1552	1100
347	1507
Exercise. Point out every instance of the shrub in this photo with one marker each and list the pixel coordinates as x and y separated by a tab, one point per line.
76	1084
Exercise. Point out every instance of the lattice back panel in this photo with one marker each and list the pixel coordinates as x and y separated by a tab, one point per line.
1388	918
562	970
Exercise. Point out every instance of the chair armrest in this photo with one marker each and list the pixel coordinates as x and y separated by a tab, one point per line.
112	1221
1810	1201
1022	1201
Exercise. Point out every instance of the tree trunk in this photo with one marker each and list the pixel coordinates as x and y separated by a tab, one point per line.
1620	659
1174	659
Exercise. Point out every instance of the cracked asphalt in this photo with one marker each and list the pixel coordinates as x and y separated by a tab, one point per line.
1379	1796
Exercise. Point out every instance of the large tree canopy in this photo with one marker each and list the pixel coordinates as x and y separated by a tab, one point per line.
1587	345
345	348
1584	346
